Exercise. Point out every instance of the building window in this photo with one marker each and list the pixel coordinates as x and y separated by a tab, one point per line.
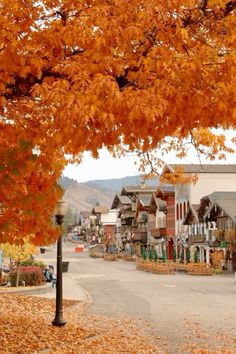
177	211
180	211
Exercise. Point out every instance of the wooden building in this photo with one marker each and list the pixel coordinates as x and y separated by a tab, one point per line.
167	194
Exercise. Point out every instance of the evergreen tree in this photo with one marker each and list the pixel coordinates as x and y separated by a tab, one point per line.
69	219
174	255
188	256
155	255
150	254
144	254
163	256
195	257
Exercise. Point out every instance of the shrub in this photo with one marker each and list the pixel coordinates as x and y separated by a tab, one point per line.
27	263
30	262
30	275
217	271
39	264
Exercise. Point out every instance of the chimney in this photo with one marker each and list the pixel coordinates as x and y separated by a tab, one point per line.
142	184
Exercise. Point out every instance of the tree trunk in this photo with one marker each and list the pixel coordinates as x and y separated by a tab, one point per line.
17	276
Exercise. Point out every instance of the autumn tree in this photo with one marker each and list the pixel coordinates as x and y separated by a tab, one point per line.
79	75
19	253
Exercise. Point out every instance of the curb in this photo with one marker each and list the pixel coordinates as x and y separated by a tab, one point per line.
28	290
87	296
84	294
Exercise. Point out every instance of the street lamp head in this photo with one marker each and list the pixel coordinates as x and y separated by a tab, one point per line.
60	211
61	208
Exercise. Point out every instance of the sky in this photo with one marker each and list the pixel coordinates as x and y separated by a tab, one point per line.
107	167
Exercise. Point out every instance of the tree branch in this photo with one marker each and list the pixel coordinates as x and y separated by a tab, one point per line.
229	7
193	142
203	5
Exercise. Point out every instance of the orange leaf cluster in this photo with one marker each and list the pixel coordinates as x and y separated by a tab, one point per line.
78	75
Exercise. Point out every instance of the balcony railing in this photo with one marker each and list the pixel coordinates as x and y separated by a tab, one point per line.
125	222
128	214
139	228
139	233
158	232
196	239
140	236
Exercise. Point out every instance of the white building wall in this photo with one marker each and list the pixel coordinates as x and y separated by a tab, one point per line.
152	221
207	183
110	217
160	219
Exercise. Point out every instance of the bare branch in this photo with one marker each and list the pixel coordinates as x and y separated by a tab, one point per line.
203	5
193	142
229	7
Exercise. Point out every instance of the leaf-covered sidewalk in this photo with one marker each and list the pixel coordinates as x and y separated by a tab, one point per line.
25	327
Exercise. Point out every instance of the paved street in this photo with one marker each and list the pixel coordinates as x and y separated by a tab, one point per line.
171	303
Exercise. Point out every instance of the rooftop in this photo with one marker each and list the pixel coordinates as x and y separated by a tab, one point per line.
156	203
193	209
98	209
137	189
164	190
120	200
167	188
145	199
202	168
228	205
220	196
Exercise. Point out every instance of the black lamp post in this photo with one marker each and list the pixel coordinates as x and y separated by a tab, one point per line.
60	211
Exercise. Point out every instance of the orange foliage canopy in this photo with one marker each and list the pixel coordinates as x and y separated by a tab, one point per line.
77	75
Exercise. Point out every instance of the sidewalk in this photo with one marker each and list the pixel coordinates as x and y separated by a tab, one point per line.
71	289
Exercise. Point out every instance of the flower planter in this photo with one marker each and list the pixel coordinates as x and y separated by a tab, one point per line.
171	267
96	254
199	269
129	258
155	267
110	257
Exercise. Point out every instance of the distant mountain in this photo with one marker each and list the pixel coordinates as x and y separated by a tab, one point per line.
116	184
67	182
84	196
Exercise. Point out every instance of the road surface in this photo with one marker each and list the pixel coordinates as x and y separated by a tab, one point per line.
173	304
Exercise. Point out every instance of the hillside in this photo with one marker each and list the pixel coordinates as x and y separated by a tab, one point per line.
116	184
84	196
